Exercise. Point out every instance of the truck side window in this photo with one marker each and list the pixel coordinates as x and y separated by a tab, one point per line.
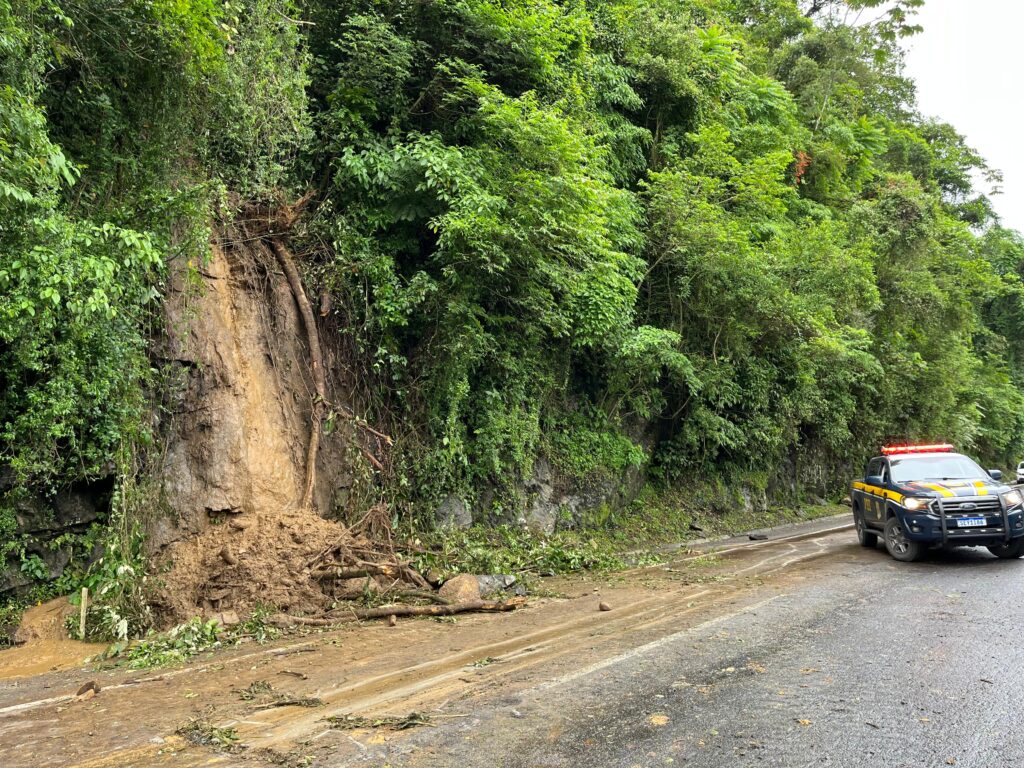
874	467
886	477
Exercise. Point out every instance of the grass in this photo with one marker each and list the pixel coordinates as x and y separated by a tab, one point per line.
658	518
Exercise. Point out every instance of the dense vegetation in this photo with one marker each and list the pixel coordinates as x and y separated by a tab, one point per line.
704	237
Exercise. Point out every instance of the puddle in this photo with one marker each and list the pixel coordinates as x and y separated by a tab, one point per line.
47	647
37	657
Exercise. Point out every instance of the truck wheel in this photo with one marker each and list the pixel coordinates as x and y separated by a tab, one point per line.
898	545
866	537
1009	551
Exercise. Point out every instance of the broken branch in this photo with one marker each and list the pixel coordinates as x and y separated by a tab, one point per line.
356	614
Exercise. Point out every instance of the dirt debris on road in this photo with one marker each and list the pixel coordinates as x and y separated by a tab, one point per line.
422	666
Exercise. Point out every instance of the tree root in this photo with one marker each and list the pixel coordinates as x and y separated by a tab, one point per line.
284	258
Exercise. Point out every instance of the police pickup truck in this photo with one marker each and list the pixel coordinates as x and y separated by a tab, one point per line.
922	496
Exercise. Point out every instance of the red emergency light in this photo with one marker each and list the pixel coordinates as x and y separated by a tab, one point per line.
889	450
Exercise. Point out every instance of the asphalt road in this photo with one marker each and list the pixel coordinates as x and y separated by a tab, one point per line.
868	662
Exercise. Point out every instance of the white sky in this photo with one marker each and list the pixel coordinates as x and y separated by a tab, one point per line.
969	66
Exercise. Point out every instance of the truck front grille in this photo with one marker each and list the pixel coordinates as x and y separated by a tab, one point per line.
983	506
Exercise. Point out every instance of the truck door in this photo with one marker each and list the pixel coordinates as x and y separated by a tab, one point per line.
874	505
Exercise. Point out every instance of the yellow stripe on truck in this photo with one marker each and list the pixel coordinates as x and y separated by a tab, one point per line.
944	491
875	490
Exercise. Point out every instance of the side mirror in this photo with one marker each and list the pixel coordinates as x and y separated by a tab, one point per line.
995	474
874	480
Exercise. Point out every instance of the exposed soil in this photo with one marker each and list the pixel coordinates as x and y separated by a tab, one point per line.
236	533
370	670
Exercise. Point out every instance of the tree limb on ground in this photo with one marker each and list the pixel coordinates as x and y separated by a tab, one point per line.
382	612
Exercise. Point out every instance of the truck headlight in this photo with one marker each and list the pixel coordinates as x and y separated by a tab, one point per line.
915	504
1013	498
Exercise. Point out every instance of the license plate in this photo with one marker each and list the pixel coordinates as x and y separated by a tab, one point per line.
971	522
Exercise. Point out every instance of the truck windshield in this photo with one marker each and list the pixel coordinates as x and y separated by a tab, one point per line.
948	466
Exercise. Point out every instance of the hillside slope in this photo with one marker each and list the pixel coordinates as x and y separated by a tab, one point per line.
556	252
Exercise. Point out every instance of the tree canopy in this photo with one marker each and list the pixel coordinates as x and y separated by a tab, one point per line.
705	237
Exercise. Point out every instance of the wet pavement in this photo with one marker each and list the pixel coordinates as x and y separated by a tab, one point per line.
804	650
872	663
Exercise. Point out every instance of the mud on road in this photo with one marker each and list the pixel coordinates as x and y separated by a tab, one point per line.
442	670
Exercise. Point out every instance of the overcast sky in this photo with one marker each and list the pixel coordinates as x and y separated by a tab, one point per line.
969	67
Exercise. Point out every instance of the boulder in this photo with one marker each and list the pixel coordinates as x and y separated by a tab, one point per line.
461	588
500	582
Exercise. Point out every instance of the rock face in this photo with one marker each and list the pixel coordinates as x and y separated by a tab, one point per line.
553	501
453	512
71	510
543	503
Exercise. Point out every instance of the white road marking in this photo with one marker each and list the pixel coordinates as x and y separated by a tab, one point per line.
643	649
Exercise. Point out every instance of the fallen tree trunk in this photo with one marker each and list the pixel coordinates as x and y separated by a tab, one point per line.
382	612
398	571
440	610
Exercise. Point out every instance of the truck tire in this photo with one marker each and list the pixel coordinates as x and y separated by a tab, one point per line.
866	537
898	545
1009	551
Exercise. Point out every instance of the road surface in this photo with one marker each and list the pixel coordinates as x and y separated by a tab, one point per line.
871	663
808	651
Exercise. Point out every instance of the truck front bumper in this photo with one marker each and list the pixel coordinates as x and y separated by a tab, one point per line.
945	529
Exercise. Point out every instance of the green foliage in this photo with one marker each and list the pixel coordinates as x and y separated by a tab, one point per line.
178	644
256	627
72	297
583	445
721	220
120	124
513	550
699	238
